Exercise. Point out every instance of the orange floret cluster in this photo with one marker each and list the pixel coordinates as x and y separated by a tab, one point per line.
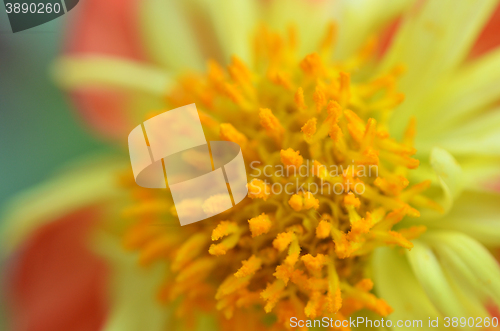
277	255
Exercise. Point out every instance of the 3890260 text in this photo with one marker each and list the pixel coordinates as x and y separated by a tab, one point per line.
32	8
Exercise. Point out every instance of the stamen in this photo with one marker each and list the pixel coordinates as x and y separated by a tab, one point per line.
291	158
309	129
312	65
259	225
229	133
249	267
319	98
299	99
294	253
258	189
272	125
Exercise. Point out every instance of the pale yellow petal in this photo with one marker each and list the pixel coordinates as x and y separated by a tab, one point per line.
466	92
235	23
310	17
470	258
360	19
477	136
433	40
476	214
481	173
168	36
430	275
84	183
393	276
100	71
462	280
449	175
133	290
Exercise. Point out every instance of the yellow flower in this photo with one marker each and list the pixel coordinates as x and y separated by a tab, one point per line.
273	257
292	97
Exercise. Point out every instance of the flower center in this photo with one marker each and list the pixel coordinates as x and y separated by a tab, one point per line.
327	185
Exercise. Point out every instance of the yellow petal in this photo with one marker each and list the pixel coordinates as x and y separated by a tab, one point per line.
82	184
167	35
449	175
471	258
479	136
234	23
100	71
388	262
432	44
357	20
133	305
431	277
464	93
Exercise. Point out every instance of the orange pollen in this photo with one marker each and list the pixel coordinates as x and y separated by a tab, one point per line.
259	225
229	133
325	188
309	129
271	124
292	158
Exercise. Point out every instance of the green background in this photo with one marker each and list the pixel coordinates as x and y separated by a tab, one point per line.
39	128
